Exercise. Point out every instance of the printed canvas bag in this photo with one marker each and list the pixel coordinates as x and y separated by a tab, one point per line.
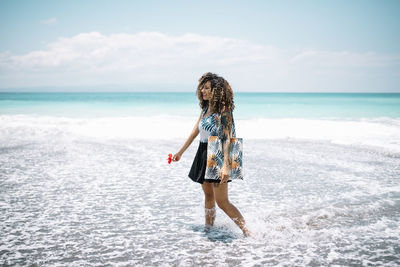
215	155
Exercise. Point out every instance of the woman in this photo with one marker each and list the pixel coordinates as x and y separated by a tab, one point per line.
216	101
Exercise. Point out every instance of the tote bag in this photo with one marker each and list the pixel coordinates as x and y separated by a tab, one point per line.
215	156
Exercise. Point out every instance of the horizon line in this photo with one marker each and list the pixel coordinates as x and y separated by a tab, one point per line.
273	92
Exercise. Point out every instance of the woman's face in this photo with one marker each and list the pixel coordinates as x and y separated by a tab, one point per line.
206	90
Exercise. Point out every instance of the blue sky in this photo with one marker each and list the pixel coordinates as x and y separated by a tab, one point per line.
276	46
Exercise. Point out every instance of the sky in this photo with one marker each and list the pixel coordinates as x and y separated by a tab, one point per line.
257	46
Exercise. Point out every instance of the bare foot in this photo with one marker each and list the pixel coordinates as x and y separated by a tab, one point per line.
248	233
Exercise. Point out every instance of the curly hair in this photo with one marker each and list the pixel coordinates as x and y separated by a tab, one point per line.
221	95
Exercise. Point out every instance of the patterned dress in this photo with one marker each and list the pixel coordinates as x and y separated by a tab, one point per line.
208	126
211	126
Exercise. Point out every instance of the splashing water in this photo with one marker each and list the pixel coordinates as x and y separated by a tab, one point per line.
72	200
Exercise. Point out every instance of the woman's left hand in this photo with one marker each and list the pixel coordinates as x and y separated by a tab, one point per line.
224	174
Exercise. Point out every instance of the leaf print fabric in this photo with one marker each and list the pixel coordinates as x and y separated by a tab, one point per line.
214	130
208	126
215	158
211	126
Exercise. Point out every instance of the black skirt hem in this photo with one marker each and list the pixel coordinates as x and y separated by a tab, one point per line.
198	169
214	181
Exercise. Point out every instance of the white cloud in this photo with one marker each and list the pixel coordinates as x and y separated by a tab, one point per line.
49	21
344	59
156	58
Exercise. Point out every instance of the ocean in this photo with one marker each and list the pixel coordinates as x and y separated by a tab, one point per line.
85	181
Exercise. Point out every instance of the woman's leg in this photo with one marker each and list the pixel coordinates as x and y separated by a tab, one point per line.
221	195
209	205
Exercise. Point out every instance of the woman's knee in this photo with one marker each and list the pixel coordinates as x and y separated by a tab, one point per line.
223	203
208	192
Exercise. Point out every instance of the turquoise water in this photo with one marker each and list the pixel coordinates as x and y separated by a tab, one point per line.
248	105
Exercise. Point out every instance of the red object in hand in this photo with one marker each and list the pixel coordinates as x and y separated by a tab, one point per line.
169	158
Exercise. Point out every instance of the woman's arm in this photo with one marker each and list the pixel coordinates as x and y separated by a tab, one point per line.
226	123
190	139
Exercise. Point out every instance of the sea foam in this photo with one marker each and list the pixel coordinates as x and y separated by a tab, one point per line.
380	133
